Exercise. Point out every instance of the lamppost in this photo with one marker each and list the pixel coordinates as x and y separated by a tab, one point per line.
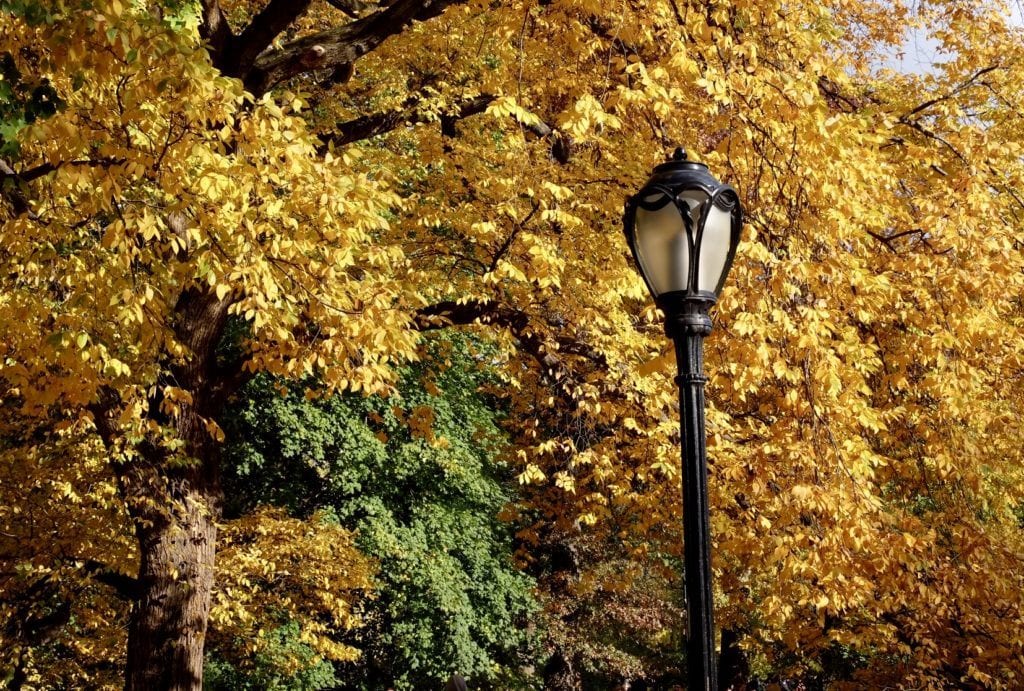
683	227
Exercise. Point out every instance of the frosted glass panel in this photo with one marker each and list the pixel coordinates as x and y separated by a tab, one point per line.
714	249
661	246
664	249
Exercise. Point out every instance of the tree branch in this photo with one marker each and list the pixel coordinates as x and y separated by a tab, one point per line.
945	97
839	101
500	254
371	125
918	127
353	8
889	240
339	45
11	181
908	119
543	350
374	124
214	30
453	313
46	168
125	587
10	188
277	16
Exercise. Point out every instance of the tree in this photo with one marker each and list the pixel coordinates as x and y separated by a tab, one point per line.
419	478
159	192
866	365
67	557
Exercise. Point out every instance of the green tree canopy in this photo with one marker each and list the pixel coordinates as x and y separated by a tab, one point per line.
421	478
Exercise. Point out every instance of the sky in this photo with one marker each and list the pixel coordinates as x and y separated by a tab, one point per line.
918	53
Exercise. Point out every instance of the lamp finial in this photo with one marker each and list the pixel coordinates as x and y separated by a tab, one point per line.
679	154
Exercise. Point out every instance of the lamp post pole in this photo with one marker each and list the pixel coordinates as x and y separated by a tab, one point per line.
688	329
682	228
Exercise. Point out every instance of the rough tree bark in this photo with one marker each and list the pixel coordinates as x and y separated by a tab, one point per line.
176	574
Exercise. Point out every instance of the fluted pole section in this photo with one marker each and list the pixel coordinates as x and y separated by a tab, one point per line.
688	329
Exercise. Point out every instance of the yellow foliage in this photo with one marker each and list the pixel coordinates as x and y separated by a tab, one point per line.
63	534
865	368
271	567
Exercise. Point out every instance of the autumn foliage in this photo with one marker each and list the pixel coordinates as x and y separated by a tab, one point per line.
196	193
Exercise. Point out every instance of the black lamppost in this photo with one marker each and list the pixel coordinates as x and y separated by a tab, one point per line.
683	227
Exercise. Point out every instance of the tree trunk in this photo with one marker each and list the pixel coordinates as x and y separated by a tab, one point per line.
177	536
560	675
174	498
168	624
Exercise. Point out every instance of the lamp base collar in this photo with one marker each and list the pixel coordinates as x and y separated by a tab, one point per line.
686	312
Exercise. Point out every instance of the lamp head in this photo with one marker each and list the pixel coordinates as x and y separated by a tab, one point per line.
682	228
